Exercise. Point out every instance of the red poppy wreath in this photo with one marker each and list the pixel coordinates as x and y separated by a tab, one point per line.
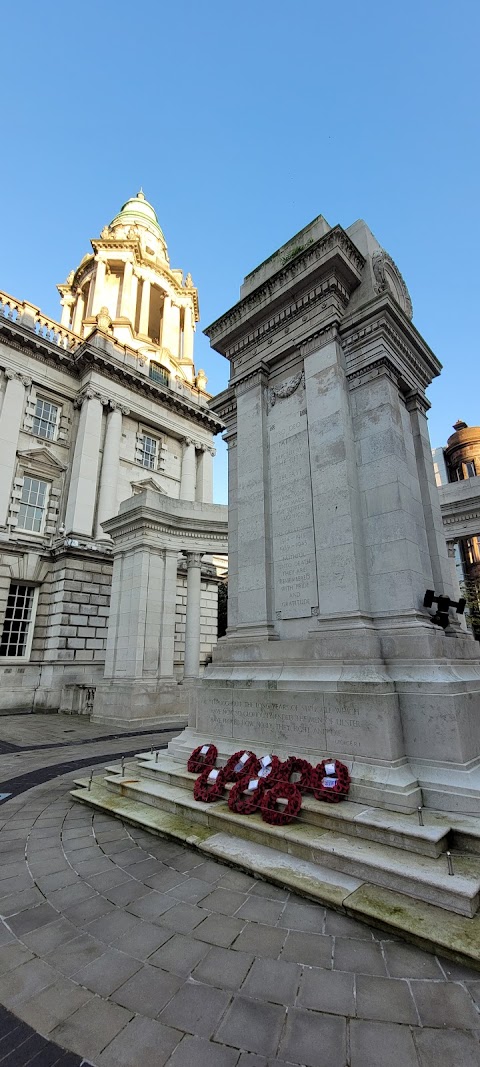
239	765
281	791
245	796
210	785
201	757
294	766
331	781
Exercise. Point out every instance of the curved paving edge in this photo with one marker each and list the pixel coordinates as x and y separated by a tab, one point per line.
131	950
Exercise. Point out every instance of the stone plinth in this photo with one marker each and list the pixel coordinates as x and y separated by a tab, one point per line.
335	533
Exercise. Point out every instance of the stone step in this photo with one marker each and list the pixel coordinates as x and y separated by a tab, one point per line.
372	824
421	877
426	925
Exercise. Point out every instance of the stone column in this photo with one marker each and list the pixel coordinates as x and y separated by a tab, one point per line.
188	334
167	639
126	301
107	496
457	593
204	487
187	483
144	308
78	313
166	322
86	458
192	620
10	426
99	283
67	303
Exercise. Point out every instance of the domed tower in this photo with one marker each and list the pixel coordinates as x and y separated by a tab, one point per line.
127	288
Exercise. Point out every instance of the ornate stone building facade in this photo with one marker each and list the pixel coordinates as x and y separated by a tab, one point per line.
104	405
457	473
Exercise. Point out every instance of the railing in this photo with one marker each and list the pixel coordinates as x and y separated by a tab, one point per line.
24	313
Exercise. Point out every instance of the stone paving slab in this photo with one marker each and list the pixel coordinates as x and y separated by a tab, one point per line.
194	963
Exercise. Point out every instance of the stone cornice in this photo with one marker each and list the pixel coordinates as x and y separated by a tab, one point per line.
290	313
382	321
293	272
87	356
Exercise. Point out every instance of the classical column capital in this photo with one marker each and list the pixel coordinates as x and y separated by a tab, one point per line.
194	559
211	450
451	548
13	375
188	441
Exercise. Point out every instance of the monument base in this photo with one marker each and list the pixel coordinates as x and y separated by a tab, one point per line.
140	703
407	726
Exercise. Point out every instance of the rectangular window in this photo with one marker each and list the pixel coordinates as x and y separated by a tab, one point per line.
45	420
469	469
18	620
158	374
148	452
33	505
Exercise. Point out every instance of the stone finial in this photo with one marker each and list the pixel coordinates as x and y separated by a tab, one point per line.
460	425
201	380
189	281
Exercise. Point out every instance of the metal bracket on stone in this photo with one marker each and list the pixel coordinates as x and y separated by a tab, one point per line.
444	604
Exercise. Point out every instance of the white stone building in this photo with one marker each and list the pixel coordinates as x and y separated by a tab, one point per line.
102	406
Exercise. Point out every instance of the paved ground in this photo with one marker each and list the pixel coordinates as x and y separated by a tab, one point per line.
129	951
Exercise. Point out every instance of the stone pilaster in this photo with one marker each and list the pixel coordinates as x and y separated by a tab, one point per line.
86	459
204	486
126	310
144	308
187	482
107	496
10	424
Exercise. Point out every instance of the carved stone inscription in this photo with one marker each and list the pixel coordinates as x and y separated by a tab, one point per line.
315	723
292	519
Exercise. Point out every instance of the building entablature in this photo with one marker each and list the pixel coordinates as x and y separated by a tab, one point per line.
24	334
332	256
382	326
178	525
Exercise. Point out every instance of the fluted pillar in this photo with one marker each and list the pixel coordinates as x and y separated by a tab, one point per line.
144	308
192	619
204	487
10	426
107	495
188	476
86	458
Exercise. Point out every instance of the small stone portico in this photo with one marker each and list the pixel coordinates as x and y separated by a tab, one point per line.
149	534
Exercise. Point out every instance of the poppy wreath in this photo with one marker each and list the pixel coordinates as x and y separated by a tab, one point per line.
243	802
231	775
272	774
292	765
197	763
209	791
338	784
270	812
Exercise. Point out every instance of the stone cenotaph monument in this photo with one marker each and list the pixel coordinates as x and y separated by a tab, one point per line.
335	534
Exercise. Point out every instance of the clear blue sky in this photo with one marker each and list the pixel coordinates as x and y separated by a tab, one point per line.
242	122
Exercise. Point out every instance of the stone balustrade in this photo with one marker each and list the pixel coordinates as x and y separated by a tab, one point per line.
26	314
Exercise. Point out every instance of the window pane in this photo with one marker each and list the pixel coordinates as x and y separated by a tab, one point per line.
158	373
45	419
32	504
148	453
17	621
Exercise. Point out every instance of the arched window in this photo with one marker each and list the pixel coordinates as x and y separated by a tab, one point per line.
158	373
